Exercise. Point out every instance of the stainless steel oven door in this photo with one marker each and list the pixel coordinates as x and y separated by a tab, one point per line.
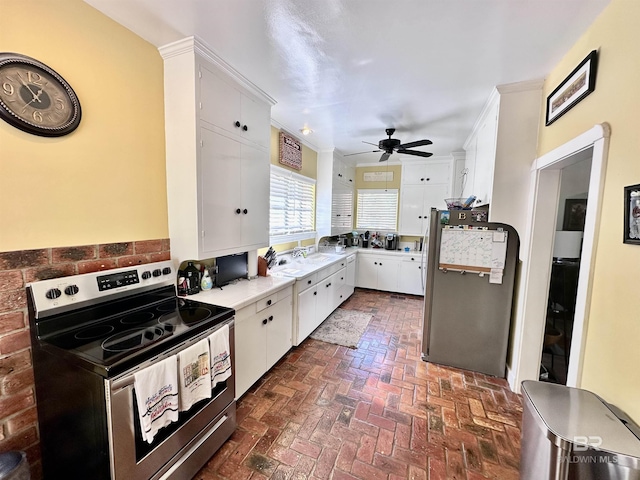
180	449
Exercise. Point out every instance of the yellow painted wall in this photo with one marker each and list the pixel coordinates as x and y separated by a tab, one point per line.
105	182
612	354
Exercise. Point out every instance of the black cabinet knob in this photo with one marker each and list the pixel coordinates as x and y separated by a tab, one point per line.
308	282
245	211
339	174
268	302
342	264
271	318
412	259
419	267
71	290
380	263
146	275
315	293
337	214
419	216
245	128
428	179
422	179
238	211
350	180
341	278
264	322
375	263
157	272
237	124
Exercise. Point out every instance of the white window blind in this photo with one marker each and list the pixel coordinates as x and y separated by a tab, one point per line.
292	199
377	209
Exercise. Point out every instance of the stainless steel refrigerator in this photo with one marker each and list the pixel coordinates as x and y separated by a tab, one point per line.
468	301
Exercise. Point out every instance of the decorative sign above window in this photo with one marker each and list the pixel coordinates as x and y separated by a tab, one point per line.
378	176
290	151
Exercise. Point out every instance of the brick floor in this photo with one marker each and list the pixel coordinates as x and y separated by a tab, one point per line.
375	412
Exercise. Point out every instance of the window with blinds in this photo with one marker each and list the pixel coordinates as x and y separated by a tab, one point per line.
377	209
291	211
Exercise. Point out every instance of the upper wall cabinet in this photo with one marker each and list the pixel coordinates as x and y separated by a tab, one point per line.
424	185
217	146
501	149
335	189
225	105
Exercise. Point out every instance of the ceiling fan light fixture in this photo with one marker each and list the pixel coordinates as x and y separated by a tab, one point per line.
306	131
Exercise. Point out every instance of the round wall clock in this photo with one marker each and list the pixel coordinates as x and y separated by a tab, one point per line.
35	98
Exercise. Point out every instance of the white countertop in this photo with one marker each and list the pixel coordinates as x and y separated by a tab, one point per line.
242	293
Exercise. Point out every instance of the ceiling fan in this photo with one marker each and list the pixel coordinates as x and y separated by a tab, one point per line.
390	145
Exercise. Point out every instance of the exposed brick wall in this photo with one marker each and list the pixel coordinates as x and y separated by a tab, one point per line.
18	417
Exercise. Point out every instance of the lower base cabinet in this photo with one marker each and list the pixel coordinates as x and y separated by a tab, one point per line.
412	280
262	337
390	273
319	294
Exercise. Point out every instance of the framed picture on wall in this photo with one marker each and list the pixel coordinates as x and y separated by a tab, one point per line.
632	214
575	210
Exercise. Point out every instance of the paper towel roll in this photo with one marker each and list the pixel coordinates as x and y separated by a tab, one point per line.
252	263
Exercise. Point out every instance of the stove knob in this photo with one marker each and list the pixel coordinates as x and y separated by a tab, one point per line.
157	272
53	293
168	327
146	275
71	290
149	334
166	270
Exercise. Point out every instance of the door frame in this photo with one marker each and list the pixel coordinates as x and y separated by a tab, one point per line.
537	253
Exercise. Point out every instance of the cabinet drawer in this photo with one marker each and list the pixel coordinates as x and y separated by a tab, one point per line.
246	312
266	302
307	282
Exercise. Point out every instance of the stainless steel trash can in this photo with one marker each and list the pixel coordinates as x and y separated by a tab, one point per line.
14	466
572	434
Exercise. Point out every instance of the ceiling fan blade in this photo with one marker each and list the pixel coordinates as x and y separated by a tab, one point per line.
360	153
385	156
417	143
369	143
415	152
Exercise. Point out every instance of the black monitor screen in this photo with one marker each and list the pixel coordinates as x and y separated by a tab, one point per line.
230	268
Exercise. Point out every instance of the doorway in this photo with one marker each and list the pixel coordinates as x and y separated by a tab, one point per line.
537	253
565	265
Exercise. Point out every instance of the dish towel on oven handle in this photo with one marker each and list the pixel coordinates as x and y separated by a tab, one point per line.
220	355
157	396
195	380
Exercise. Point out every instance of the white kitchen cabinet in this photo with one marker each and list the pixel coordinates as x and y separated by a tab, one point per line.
335	189
307	313
225	105
411	279
378	272
423	185
217	173
262	337
316	296
238	202
500	149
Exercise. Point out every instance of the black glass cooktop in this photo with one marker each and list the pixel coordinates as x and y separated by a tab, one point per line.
127	334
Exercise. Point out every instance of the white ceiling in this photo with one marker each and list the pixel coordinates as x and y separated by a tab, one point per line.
348	69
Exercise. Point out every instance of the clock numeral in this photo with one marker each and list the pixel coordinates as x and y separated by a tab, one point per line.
35	78
59	104
37	116
8	88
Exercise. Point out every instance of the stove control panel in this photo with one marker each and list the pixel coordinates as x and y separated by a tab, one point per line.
65	293
115	280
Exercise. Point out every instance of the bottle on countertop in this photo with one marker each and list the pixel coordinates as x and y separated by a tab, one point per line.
192	276
206	283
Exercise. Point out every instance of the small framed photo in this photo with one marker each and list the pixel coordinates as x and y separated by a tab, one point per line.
580	83
632	214
575	211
